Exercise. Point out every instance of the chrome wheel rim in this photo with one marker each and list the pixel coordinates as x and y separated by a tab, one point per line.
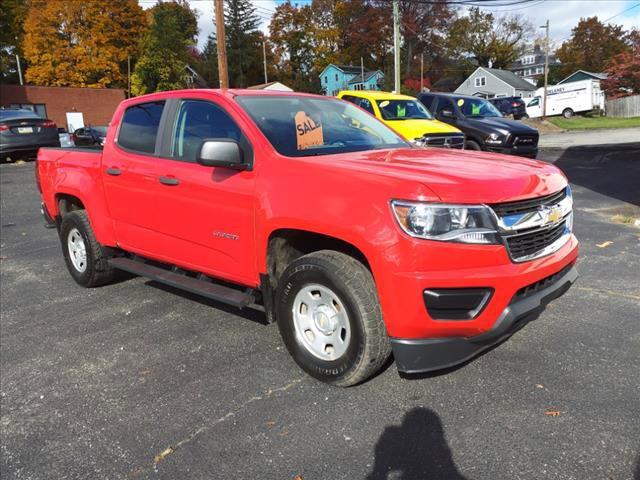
77	250
321	322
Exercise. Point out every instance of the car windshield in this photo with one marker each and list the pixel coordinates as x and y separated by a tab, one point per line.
102	131
476	107
299	126
403	110
13	114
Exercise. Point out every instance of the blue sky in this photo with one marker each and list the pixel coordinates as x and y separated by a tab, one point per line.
562	14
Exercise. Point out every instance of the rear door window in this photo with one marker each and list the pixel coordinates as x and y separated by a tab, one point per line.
139	127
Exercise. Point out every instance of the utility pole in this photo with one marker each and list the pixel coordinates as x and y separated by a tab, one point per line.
223	73
362	71
128	76
19	69
396	46
421	72
546	70
264	61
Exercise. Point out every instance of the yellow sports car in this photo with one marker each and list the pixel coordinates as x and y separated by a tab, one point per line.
407	116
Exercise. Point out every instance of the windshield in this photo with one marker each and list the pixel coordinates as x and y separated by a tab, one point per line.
12	114
476	107
403	110
300	126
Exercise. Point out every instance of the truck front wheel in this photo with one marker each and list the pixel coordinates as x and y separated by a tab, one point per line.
330	319
86	259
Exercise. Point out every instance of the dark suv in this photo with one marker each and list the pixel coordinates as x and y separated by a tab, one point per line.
483	125
511	106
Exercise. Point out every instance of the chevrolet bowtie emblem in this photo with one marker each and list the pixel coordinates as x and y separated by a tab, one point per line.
553	215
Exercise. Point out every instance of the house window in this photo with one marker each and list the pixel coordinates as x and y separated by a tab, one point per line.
481	81
326	79
527	72
38	108
539	70
336	77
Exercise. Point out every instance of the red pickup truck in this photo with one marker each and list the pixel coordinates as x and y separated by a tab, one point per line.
357	243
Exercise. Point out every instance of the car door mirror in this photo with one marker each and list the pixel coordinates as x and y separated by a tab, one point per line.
221	153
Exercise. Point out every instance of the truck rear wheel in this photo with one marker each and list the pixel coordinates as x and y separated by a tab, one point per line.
568	113
86	259
330	319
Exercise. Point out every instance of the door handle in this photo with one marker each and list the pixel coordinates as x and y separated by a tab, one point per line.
114	171
170	181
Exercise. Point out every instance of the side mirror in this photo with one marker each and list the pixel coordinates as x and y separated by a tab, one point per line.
221	153
446	113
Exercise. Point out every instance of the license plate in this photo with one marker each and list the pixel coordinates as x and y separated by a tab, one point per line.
25	129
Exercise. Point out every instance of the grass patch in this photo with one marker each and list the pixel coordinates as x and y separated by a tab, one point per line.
588	123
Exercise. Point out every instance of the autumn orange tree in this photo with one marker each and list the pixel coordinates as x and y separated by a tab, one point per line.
623	71
81	43
591	46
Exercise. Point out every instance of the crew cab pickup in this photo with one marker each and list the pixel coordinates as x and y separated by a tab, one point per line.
356	242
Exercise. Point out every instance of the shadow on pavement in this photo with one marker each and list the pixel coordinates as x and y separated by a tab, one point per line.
414	450
611	170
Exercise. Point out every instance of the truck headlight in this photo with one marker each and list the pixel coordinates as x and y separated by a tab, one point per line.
453	223
494	139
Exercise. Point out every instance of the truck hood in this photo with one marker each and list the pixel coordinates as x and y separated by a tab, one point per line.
415	128
499	125
456	176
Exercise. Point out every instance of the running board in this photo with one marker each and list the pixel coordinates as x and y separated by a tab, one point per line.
207	289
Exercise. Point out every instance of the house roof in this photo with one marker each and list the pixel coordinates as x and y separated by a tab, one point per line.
510	78
352	70
367	76
597	76
264	86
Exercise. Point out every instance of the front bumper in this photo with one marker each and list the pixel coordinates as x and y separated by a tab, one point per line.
521	151
424	355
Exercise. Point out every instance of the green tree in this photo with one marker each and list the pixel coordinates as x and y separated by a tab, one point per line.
591	46
81	44
208	62
483	39
244	50
165	48
291	40
12	16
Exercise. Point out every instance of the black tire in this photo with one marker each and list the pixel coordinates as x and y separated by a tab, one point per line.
472	145
97	270
368	346
568	113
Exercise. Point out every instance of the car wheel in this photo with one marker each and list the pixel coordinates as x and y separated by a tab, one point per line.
472	145
568	113
330	319
86	259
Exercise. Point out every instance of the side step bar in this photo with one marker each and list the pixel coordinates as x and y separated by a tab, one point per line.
207	289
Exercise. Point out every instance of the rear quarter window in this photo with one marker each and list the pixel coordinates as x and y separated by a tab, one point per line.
139	127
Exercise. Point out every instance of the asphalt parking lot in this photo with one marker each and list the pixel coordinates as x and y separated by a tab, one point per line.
135	380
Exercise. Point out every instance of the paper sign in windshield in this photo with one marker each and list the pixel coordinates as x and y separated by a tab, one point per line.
308	131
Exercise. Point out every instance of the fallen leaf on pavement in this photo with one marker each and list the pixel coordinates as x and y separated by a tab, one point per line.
552	413
298	477
270	423
604	244
161	455
539	385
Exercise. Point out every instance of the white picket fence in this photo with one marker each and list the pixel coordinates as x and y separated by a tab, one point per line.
623	107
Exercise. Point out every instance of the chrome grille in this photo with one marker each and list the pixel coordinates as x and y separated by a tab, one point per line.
536	227
443	141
